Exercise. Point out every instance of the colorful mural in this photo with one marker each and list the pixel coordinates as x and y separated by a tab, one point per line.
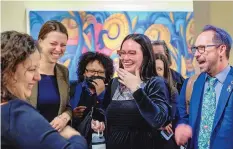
104	32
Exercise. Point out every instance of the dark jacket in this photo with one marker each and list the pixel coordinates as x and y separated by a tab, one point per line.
153	108
80	95
177	79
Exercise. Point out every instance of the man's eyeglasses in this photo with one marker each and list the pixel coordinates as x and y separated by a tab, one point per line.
122	53
201	48
92	72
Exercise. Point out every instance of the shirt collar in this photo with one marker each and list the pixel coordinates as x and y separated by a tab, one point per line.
221	76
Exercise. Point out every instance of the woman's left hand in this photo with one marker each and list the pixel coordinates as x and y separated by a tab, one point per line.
128	79
59	123
97	126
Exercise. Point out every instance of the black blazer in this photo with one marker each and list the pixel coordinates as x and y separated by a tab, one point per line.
177	79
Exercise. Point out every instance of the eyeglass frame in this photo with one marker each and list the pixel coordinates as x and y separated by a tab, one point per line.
126	53
201	46
95	72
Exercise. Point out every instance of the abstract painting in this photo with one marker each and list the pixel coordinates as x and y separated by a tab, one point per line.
103	31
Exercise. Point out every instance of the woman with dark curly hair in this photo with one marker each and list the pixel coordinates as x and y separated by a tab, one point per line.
22	127
95	70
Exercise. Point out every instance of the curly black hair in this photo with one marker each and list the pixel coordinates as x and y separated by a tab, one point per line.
15	48
88	57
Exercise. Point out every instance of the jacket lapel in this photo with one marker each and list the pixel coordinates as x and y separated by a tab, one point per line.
224	97
33	98
61	87
197	98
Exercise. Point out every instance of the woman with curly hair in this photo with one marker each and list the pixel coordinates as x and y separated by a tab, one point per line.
22	126
95	70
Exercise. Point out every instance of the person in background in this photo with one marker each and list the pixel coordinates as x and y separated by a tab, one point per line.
209	122
22	127
161	47
96	67
51	94
163	70
136	102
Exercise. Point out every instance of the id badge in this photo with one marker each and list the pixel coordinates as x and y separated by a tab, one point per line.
98	141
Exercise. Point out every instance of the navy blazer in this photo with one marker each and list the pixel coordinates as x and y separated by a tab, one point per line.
222	131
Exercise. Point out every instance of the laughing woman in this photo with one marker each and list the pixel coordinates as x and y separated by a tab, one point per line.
50	96
136	103
22	127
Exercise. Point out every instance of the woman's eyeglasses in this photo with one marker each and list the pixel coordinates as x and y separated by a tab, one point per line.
130	53
92	72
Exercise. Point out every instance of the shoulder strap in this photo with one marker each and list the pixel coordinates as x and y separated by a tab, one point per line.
189	90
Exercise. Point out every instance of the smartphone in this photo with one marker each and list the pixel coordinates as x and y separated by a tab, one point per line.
166	135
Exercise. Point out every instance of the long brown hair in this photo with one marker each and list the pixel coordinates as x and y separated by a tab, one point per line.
167	72
166	50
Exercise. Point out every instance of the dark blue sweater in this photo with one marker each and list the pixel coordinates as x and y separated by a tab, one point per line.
24	128
48	101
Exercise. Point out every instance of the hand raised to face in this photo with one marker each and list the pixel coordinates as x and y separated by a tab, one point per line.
128	79
99	85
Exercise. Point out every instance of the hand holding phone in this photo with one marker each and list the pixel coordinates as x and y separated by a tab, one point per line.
166	135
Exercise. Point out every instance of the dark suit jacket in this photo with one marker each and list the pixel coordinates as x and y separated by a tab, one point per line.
222	131
62	76
177	79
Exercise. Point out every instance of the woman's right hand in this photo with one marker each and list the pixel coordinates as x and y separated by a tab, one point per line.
78	111
69	132
97	126
168	128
